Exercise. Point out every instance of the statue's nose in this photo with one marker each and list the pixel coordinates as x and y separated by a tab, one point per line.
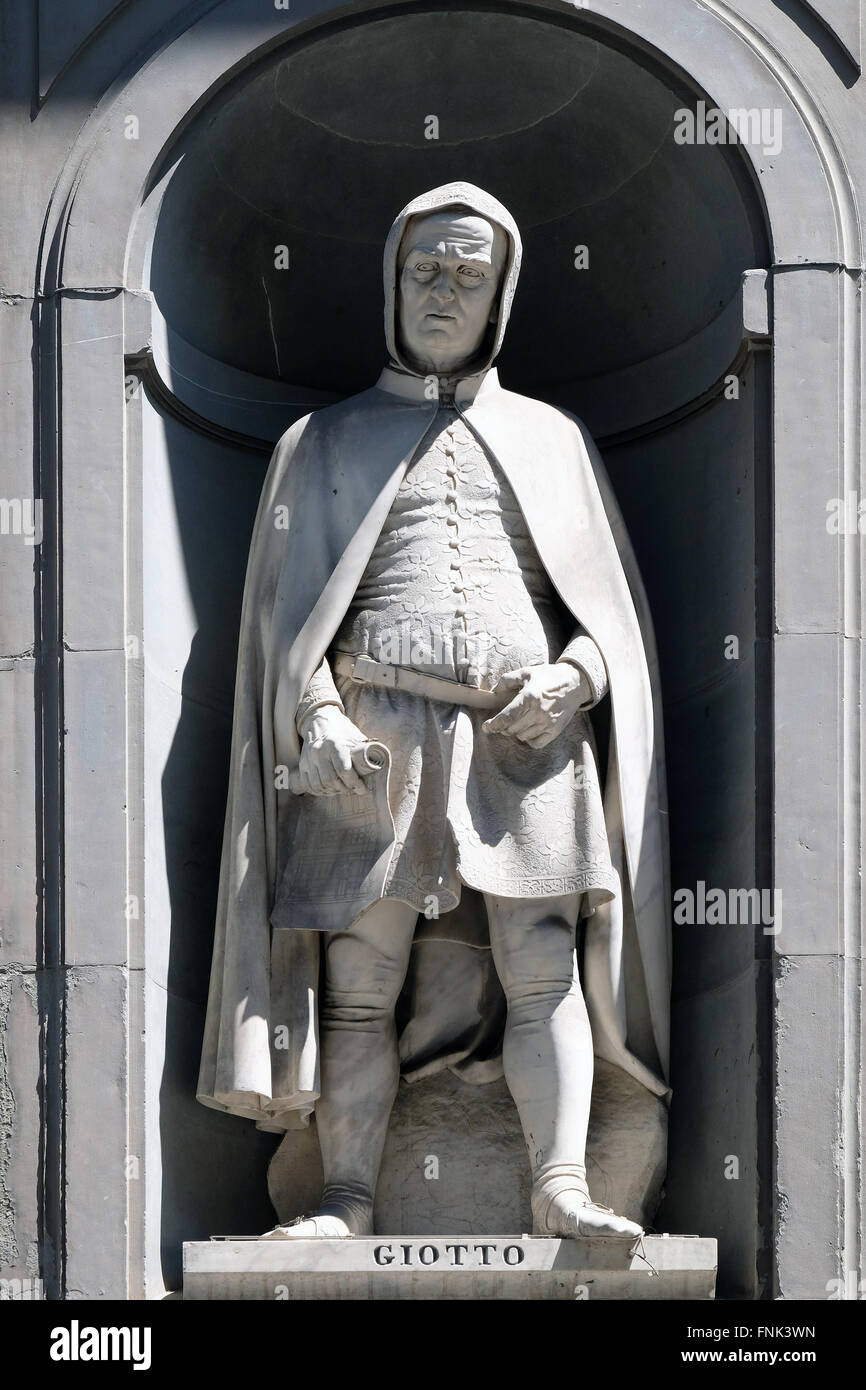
442	289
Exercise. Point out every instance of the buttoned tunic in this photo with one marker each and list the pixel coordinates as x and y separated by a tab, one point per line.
455	588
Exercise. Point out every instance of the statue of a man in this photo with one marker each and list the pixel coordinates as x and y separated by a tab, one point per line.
439	589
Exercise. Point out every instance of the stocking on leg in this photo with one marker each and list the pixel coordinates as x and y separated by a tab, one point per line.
548	1059
365	970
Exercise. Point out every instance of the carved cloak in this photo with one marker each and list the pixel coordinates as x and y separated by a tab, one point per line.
332	479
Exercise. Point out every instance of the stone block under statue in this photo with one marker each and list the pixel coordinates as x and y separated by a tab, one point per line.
462	1266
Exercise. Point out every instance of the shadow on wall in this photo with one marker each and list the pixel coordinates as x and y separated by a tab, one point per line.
213	1165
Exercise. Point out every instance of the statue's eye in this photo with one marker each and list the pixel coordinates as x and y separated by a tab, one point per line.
426	266
469	273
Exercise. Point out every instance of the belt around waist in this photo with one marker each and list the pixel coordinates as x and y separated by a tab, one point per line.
369	672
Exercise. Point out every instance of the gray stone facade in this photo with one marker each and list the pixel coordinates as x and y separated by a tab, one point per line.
706	300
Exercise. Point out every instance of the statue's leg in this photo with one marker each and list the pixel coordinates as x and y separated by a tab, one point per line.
548	1058
365	967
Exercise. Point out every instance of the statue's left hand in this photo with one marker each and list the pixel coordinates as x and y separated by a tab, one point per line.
547	698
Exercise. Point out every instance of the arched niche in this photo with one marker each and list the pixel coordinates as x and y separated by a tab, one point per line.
646	367
641	327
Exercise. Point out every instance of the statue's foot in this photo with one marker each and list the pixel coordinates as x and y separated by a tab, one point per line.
571	1213
311	1228
332	1221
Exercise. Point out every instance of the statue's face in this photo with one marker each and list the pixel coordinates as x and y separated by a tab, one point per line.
450	267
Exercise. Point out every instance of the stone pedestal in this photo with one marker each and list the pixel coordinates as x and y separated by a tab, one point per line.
451	1267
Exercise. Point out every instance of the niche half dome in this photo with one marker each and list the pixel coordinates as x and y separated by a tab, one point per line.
318	147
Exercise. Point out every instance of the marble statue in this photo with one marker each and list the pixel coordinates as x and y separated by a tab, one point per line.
440	589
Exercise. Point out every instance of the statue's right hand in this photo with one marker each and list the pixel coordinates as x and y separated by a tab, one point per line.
326	767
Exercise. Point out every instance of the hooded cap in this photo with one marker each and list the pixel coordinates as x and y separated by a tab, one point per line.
452	195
